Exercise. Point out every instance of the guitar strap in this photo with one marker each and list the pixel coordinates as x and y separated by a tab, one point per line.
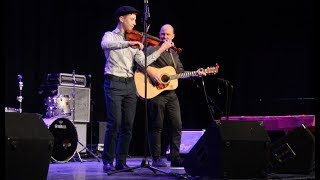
174	63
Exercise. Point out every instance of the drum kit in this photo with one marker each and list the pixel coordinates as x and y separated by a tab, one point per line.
57	120
64	131
58	106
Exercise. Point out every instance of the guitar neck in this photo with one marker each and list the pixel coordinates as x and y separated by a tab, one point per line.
183	75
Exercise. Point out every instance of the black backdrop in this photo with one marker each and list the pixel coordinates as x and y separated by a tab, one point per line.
265	49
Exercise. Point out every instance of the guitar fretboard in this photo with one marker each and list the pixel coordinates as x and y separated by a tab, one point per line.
183	75
190	74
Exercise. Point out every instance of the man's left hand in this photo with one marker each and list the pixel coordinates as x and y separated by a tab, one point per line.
201	72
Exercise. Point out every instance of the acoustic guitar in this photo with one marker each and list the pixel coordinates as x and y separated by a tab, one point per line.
169	79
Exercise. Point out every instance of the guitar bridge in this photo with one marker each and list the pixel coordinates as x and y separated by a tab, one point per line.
162	86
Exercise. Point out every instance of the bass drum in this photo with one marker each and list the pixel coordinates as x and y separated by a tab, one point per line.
65	138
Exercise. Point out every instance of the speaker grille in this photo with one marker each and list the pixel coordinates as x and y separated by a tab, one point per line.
82	102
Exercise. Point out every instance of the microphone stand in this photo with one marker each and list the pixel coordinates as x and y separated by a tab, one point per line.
229	93
144	163
91	110
19	98
210	103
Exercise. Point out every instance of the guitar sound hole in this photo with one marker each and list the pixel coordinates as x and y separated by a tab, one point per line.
165	78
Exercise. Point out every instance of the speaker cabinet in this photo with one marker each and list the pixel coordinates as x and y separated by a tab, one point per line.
294	153
230	149
28	146
82	102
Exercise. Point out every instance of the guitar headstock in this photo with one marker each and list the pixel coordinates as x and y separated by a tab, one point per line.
212	70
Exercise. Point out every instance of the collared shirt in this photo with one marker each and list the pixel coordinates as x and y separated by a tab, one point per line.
120	57
166	59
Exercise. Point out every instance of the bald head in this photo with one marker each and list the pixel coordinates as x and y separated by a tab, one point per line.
166	32
167	27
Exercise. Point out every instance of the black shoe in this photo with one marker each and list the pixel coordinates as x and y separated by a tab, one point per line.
158	163
177	163
121	166
108	167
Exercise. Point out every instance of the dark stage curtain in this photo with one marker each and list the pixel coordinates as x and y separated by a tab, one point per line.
265	49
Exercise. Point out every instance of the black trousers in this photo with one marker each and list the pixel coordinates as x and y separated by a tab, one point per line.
121	100
164	106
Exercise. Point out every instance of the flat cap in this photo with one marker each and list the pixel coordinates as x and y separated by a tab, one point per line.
124	10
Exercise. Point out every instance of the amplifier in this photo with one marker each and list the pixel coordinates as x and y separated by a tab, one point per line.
66	79
82	102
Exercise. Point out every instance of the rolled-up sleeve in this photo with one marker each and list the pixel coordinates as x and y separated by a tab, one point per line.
110	42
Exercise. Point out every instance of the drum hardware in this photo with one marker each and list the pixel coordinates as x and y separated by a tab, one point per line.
19	98
9	109
73	118
91	110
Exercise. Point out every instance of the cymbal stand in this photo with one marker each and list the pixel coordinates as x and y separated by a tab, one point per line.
73	118
91	110
19	98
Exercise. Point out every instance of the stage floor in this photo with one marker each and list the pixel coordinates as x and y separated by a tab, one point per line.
91	169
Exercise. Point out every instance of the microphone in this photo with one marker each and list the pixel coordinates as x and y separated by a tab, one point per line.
20	82
19	77
147	11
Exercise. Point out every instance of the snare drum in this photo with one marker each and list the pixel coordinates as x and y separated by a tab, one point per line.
65	138
9	109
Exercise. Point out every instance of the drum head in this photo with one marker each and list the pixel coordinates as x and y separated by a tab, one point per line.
65	139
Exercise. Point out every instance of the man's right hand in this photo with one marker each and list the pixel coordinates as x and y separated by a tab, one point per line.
165	46
153	75
135	44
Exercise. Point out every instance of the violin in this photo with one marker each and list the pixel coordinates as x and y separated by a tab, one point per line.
134	35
